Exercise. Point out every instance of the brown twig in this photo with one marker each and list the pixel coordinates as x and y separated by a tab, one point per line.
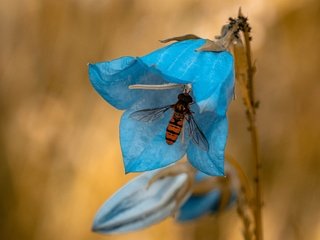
251	116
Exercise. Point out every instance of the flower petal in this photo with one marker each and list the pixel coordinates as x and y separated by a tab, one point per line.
197	206
112	79
220	98
135	206
212	201
210	73
144	146
215	129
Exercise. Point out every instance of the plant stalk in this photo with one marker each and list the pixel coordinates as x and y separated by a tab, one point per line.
251	115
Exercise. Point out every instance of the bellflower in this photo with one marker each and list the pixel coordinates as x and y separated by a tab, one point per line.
169	192
219	196
138	205
211	77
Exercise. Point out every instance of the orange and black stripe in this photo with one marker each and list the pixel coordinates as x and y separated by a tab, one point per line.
174	128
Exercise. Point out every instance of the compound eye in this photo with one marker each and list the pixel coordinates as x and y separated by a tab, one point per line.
189	99
181	96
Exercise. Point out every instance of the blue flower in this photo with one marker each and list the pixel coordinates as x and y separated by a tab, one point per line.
172	191
211	202
143	144
136	206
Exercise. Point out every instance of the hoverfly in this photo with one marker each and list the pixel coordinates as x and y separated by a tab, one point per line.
181	112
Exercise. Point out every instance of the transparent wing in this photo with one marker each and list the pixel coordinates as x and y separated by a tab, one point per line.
149	115
196	134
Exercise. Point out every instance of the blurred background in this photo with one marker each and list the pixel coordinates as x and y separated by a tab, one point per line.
59	146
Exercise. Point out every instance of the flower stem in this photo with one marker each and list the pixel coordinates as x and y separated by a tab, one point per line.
251	115
257	182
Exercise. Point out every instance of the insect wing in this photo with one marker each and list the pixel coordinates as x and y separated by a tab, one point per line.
197	135
149	115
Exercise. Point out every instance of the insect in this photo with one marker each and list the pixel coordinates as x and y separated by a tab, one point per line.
181	112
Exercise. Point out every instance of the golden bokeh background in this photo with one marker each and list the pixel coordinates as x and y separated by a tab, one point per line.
59	147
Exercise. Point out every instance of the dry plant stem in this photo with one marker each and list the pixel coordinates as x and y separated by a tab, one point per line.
257	179
251	115
251	70
246	232
244	201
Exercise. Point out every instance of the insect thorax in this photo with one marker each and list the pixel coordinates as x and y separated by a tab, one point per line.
178	115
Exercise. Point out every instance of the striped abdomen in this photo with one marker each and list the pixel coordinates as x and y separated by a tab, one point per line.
174	128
